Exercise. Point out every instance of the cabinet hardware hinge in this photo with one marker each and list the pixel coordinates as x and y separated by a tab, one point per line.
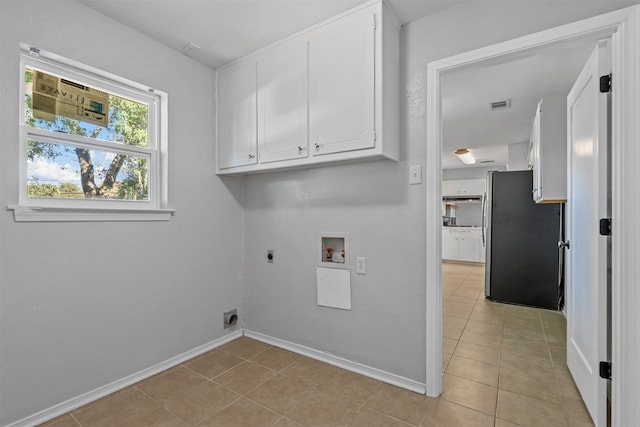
605	226
605	370
605	83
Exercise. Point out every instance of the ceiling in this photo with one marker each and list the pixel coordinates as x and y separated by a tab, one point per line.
215	32
525	78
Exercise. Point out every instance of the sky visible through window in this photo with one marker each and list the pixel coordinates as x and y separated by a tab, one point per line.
54	168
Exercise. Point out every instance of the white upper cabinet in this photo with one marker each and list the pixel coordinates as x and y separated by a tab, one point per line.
463	187
282	102
237	136
326	94
341	85
548	152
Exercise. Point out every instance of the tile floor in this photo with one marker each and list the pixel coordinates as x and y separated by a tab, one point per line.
502	365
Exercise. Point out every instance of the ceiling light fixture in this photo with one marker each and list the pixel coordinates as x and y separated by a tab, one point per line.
465	156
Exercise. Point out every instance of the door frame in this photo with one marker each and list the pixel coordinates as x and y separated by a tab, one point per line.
624	27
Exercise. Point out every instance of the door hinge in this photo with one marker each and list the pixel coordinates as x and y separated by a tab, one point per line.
375	23
605	227
605	370
605	83
375	137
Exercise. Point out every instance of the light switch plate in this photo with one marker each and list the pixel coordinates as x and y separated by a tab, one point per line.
361	265
415	174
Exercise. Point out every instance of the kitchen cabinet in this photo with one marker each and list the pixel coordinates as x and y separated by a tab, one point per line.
548	151
463	187
349	110
462	244
237	121
282	102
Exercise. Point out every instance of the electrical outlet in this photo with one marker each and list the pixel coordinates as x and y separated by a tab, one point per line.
230	318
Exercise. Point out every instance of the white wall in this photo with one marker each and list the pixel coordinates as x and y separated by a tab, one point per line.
374	203
85	304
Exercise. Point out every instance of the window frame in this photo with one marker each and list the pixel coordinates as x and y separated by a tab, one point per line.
60	209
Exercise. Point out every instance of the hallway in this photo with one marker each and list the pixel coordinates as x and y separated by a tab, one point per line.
505	360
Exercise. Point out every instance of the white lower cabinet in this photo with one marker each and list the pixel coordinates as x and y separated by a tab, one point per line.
460	244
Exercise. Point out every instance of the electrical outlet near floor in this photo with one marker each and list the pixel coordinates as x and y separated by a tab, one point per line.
230	318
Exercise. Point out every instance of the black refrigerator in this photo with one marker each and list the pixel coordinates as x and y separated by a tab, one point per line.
523	262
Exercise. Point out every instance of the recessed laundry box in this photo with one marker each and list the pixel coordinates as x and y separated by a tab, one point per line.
333	276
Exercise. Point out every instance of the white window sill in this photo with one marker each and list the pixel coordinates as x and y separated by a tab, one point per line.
71	214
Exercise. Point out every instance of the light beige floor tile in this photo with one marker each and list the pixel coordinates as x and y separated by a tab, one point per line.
524	348
171	382
158	417
503	423
525	410
369	418
308	370
285	422
481	338
577	413
463	300
245	347
558	355
469	393
116	409
275	358
523	363
244	377
495	318
452	327
65	420
461	311
447	414
446	358
477	352
321	409
197	404
352	386
242	413
213	364
449	345
530	383
280	393
485	328
473	370
467	293
399	403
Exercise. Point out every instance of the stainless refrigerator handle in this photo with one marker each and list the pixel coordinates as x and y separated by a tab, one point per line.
484	217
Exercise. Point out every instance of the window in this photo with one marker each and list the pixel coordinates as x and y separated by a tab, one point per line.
91	143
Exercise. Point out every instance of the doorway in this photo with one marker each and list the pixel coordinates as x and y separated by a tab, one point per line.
620	23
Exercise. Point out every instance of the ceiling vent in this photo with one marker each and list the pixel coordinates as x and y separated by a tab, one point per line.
500	105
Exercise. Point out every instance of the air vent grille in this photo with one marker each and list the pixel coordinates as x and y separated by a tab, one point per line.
500	105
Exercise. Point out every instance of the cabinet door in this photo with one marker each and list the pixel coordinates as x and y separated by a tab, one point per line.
535	143
342	85
469	247
449	245
282	102
237	133
474	187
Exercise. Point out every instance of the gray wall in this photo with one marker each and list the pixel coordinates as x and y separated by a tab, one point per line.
374	203
85	304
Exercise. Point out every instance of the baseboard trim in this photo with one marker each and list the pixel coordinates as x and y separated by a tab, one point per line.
76	402
340	362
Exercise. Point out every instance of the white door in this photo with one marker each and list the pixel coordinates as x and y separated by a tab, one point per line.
588	192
